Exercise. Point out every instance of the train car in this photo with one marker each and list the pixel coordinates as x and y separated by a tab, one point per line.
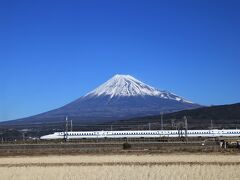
142	134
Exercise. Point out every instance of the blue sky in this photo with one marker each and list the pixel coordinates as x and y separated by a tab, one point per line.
53	52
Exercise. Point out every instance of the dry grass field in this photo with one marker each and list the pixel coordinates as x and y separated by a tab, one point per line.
162	166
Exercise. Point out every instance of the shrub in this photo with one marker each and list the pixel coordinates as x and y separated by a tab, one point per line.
126	145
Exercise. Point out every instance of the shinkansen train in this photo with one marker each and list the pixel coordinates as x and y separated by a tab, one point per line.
142	134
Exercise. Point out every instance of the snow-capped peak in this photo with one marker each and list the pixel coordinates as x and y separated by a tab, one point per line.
126	85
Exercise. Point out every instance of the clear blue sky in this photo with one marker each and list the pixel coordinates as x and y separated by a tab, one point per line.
54	51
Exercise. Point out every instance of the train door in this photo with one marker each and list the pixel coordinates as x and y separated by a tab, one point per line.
103	134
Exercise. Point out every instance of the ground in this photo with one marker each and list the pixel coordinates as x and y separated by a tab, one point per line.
119	166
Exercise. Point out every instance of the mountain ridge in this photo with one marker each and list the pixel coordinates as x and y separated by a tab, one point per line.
222	116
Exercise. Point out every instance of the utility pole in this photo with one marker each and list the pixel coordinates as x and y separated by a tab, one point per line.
161	121
66	129
211	124
186	127
23	136
71	125
172	123
149	126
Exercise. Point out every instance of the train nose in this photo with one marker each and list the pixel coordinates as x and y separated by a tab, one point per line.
45	137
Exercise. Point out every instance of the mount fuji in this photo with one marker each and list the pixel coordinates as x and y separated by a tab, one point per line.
121	97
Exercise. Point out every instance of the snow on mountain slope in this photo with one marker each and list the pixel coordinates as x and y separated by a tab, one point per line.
126	85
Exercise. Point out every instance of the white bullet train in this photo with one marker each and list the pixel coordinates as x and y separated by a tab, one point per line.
142	134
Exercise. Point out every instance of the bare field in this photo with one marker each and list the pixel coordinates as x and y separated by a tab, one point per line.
99	167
